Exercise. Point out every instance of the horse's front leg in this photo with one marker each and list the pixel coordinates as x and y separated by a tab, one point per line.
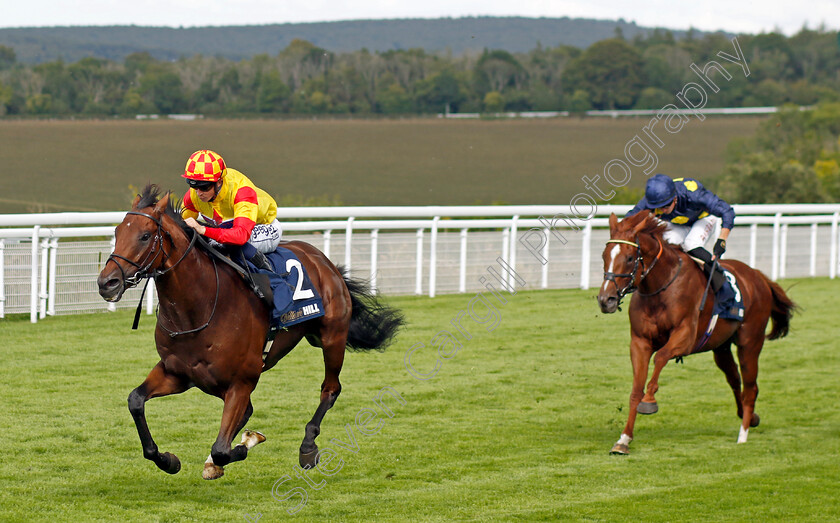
158	383
640	353
237	411
679	343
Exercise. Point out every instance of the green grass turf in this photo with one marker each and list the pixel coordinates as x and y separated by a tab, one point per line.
517	425
50	166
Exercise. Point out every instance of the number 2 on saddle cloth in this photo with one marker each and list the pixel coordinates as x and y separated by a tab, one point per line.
294	298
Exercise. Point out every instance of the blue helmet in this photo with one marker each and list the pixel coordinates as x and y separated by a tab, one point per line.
660	191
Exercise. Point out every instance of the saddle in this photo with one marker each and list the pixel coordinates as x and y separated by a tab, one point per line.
258	282
728	302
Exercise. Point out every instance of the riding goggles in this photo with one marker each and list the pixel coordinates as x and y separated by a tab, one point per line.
200	185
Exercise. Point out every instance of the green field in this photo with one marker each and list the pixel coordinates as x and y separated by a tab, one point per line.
516	426
52	166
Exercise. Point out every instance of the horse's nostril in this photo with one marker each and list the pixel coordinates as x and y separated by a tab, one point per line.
109	288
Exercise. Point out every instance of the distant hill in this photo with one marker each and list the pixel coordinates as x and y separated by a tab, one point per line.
44	44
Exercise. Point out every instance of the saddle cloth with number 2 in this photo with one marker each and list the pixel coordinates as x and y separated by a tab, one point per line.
295	298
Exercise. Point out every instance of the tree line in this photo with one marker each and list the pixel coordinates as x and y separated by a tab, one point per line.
794	157
644	72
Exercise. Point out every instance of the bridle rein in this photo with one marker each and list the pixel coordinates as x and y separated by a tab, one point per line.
639	260
144	270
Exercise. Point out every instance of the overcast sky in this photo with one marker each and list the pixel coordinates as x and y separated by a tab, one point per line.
729	15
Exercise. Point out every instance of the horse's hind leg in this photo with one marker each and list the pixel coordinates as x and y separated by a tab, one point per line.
330	389
748	358
158	383
726	363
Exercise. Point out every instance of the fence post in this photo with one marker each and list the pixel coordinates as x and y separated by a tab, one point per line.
111	307
374	254
462	273
585	255
327	238
753	243
514	228
2	278
783	252
506	245
433	258
544	282
418	270
813	267
348	243
53	283
774	274
33	281
150	297
45	267
832	270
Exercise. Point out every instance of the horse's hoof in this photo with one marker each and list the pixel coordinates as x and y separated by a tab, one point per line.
755	420
309	460
212	471
620	449
251	438
647	408
174	463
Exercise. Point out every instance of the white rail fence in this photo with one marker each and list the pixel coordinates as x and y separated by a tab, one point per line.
49	262
616	113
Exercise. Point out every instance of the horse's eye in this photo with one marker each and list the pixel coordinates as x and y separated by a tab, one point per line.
145	237
629	258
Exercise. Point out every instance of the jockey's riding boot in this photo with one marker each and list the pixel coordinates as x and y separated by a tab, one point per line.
717	277
261	262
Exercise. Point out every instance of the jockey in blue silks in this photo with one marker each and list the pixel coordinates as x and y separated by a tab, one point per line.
692	214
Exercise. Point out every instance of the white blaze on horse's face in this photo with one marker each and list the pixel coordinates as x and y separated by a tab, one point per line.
613	253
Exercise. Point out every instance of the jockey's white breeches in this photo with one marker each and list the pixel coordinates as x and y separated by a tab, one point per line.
702	233
266	236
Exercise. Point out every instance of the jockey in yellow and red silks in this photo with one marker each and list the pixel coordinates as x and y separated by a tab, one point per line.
234	210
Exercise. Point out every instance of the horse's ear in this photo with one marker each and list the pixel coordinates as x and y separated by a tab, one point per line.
160	206
613	223
136	201
644	223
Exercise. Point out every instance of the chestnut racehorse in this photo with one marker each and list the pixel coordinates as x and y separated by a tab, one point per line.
665	319
211	327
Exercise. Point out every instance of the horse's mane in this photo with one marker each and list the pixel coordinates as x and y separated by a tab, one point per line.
645	222
151	195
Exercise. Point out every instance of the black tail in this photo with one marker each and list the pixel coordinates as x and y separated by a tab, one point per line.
782	312
372	325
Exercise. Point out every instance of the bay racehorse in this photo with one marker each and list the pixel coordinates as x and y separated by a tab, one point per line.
665	319
211	327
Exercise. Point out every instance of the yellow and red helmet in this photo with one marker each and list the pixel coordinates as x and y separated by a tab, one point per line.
204	166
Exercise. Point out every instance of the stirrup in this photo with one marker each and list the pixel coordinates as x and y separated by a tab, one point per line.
261	262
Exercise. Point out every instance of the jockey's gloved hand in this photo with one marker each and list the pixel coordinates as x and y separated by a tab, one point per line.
720	247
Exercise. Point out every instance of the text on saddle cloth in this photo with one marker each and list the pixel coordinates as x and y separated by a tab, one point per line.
295	298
